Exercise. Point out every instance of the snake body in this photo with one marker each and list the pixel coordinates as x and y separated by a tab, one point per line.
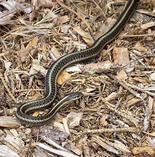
64	61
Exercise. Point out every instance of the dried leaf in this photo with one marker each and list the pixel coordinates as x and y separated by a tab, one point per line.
36	67
65	28
140	48
12	7
86	37
122	75
121	56
141	79
7	65
89	90
35	96
103	121
63	19
105	27
54	53
23	53
43	3
140	150
35	114
74	119
64	76
33	43
58	124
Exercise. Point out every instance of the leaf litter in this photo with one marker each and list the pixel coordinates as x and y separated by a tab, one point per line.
116	115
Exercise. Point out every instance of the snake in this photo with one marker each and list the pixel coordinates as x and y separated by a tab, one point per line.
24	111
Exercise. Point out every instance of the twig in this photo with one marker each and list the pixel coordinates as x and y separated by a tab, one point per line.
28	90
51	142
121	113
148	112
124	84
146	12
141	57
107	145
140	89
3	54
105	130
137	35
97	5
143	67
56	151
78	15
6	87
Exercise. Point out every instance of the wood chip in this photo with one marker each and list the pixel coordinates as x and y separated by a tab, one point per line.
140	150
121	56
6	151
9	122
63	77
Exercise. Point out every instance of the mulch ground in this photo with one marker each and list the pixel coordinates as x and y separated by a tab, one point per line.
116	116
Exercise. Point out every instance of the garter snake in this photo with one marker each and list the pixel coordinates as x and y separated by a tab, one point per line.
64	61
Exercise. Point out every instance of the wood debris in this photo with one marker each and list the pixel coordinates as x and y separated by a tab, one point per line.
116	116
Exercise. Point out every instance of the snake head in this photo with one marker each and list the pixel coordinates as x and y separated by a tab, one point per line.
75	95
